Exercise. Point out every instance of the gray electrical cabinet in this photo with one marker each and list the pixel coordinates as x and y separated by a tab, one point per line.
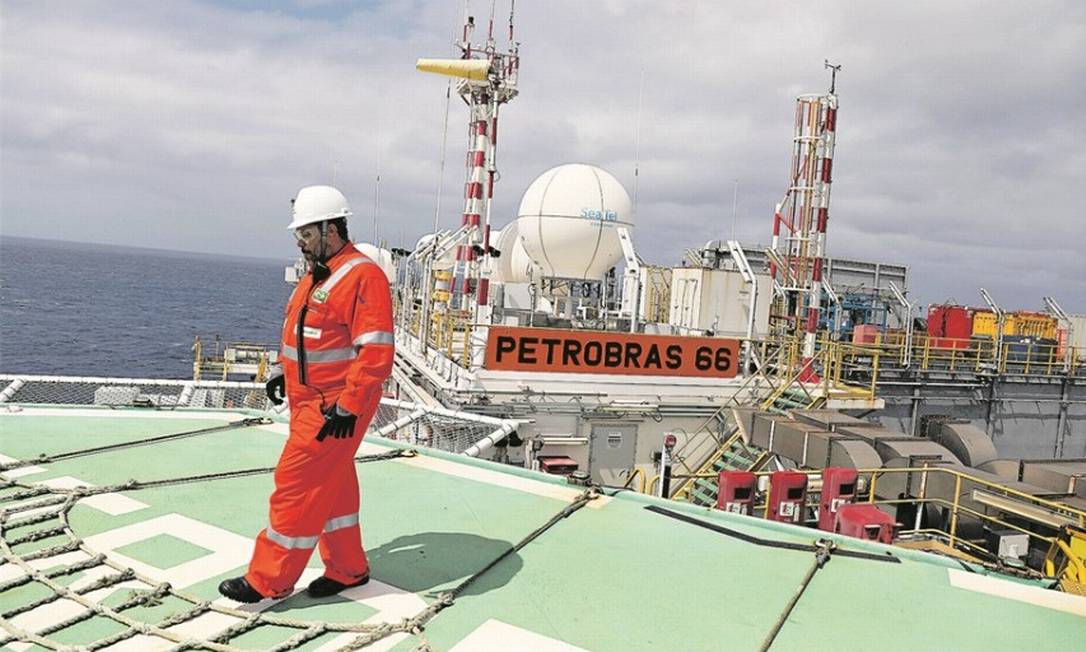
611	452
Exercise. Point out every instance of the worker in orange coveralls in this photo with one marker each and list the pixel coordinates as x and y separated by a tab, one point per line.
337	351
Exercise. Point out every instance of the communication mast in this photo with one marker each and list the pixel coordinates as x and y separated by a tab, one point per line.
487	80
798	249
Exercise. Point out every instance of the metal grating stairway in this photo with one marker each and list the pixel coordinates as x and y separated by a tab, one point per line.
736	455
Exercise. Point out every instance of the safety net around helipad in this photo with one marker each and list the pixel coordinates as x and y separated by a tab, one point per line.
116	526
85	563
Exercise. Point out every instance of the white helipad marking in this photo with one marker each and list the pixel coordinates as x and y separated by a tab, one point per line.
496	636
27	513
139	643
392	605
19	472
11	571
112	503
45	615
1035	595
500	479
230	550
201	627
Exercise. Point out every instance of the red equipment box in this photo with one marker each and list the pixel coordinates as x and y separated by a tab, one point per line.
556	464
735	492
865	334
787	496
865	522
838	490
950	326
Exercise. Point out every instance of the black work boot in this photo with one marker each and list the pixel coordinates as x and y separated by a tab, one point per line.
239	589
322	587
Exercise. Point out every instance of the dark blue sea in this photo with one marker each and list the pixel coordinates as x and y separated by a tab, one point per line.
95	310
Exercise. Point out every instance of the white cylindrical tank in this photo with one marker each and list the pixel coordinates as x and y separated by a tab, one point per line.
567	219
383	257
514	265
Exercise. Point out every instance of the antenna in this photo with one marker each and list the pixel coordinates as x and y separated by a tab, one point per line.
637	140
377	196
735	206
486	79
441	168
834	69
490	27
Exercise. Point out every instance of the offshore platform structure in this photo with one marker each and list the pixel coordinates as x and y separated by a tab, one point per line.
486	79
797	252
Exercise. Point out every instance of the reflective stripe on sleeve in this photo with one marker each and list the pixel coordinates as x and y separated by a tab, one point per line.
291	543
325	355
374	337
348	265
340	522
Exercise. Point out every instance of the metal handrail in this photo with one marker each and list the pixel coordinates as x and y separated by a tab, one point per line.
684	489
1064	508
973	354
955	505
1072	559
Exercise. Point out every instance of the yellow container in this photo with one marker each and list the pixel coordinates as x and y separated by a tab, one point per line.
1035	324
1023	323
984	324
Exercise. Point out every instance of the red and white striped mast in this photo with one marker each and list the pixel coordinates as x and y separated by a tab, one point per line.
800	247
488	79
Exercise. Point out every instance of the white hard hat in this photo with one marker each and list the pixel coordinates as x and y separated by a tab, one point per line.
317	204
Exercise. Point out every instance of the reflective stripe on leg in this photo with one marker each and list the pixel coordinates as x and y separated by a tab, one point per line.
340	522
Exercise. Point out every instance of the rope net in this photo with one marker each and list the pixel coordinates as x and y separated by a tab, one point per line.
94	602
41	554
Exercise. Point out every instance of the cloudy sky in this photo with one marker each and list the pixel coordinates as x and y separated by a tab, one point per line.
189	125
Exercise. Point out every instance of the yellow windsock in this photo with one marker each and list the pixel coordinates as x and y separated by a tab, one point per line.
473	69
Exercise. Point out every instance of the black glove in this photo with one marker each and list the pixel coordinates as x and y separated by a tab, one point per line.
337	422
276	389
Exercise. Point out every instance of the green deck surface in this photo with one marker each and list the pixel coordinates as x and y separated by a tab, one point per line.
610	577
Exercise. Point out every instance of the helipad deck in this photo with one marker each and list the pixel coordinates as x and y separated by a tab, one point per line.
614	575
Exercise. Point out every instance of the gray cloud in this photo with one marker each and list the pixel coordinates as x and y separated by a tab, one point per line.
189	125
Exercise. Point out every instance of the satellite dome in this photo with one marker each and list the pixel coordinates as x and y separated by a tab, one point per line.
567	219
383	258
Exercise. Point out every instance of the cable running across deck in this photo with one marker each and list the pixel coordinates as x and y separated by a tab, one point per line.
45	459
63	500
157	590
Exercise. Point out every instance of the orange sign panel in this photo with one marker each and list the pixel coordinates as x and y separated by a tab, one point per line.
599	352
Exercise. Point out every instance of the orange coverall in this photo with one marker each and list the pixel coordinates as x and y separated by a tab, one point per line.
337	347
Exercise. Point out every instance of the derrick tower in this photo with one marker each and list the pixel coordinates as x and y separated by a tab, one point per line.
799	248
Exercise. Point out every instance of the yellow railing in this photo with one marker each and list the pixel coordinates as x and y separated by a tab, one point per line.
1066	559
955	506
826	363
209	357
957	509
965	355
450	333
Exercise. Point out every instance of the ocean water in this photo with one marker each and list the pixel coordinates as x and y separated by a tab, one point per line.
94	310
